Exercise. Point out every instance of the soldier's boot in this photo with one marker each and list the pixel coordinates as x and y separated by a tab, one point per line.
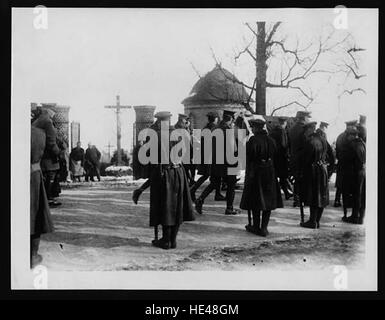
136	194
219	196
174	233
312	222
199	202
354	218
265	222
296	201
319	216
361	215
36	258
337	201
255	227
165	241
230	195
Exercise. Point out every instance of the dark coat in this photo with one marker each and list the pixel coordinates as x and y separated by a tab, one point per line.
342	157
205	169
314	186
77	154
353	172
281	159
221	170
40	216
92	157
261	189
50	159
297	142
170	199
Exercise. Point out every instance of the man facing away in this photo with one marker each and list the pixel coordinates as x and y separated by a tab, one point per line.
261	191
92	162
296	148
314	175
281	160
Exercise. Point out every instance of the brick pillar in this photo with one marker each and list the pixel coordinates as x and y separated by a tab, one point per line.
60	119
144	119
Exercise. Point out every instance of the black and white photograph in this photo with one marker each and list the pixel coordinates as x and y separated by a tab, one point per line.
194	149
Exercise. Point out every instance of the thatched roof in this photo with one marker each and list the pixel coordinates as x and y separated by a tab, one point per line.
218	85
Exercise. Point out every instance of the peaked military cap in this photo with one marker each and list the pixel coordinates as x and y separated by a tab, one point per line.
257	122
182	116
351	123
212	114
282	119
310	124
323	124
162	115
228	113
303	114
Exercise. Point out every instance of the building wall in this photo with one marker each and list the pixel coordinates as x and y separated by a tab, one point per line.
198	112
144	119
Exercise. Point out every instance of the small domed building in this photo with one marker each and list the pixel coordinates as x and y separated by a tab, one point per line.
218	90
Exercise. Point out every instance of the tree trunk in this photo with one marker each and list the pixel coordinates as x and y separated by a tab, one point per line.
261	67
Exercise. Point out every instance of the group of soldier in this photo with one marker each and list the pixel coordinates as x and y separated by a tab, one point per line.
299	160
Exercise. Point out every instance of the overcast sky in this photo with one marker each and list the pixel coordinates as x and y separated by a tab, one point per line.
87	56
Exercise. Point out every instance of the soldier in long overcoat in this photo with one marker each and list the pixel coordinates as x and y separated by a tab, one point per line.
220	171
314	175
261	191
354	176
50	159
296	149
204	169
330	157
281	160
170	200
40	216
341	149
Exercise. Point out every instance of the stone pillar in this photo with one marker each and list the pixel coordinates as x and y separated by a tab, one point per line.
75	133
60	119
144	119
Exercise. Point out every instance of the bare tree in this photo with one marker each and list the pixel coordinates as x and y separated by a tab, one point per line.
283	61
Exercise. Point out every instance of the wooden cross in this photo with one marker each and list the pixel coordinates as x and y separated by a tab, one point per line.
118	107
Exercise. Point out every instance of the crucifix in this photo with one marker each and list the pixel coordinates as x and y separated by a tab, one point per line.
118	107
109	146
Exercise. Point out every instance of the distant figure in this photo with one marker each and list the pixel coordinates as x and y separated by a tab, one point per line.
77	162
50	159
40	216
92	162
